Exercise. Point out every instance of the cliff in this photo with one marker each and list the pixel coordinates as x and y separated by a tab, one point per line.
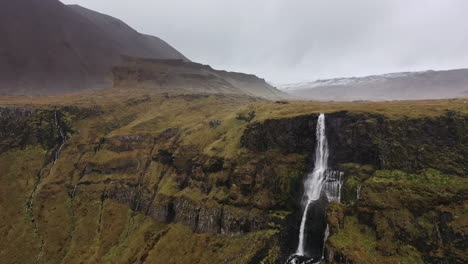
405	187
217	179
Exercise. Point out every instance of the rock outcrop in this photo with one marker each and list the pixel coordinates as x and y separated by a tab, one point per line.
405	144
388	165
116	187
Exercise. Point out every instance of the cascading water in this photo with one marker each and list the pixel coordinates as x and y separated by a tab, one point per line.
358	192
30	203
320	183
62	135
314	182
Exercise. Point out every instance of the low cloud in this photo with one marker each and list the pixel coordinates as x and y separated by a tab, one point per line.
297	40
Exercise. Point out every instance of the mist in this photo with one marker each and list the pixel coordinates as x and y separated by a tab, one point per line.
291	41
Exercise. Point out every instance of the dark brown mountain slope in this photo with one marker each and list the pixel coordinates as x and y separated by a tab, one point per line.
183	77
128	40
48	47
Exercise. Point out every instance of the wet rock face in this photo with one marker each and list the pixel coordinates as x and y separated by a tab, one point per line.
201	217
128	179
348	142
413	144
404	144
22	126
350	138
290	135
221	219
315	227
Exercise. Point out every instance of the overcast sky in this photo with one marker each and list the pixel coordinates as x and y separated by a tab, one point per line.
297	40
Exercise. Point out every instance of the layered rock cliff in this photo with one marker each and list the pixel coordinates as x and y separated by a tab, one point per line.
190	179
405	186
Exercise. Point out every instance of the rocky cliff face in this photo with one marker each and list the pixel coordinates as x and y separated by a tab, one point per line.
121	194
403	194
155	177
404	144
22	126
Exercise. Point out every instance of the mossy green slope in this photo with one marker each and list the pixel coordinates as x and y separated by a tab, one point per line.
397	217
147	178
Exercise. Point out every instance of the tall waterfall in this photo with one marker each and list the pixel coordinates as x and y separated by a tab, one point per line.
320	183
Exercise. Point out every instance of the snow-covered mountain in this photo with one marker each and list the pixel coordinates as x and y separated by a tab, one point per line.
391	86
348	81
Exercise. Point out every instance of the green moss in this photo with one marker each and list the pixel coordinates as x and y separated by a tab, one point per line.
429	179
273	255
404	217
18	178
396	209
280	214
360	245
355	176
181	245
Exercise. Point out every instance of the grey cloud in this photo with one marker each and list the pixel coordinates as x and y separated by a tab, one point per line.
296	40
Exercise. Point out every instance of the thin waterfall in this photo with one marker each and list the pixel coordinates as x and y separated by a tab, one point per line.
320	183
30	202
358	192
63	137
314	181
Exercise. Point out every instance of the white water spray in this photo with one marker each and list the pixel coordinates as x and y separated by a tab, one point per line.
315	180
320	182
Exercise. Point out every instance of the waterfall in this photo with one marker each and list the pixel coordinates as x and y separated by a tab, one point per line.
358	192
314	181
320	183
30	203
62	135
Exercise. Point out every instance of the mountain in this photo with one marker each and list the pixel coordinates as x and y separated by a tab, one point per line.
128	40
53	48
393	86
183	77
48	47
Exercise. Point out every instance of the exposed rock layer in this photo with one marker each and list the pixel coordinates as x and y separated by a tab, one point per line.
99	175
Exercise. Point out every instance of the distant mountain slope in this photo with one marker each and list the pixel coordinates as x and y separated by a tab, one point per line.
183	77
393	86
128	40
48	47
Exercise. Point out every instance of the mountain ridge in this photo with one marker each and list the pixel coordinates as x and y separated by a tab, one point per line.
185	77
419	85
52	48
